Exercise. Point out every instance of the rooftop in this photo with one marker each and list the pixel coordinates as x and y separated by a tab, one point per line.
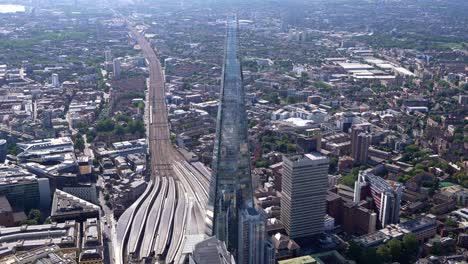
314	157
64	235
371	239
65	203
12	174
300	260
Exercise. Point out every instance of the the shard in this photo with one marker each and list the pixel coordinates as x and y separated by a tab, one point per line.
231	186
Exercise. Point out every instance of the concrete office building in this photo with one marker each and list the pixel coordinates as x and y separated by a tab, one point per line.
47	119
92	247
55	80
304	186
108	55
116	66
386	196
47	254
68	207
26	237
360	142
22	188
47	150
252	237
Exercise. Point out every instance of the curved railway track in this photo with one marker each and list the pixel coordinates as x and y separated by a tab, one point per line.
155	227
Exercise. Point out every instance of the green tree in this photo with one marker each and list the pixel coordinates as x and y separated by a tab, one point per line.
135	126
450	222
354	251
369	256
411	246
252	123
333	164
350	178
82	127
272	98
79	143
436	249
384	253
291	100
395	249
303	80
91	135
261	163
13	149
411	148
119	130
291	147
123	118
105	125
35	214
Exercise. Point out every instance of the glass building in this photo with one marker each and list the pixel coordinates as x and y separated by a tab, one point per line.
231	185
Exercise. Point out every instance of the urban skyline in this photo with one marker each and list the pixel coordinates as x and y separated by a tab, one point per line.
233	131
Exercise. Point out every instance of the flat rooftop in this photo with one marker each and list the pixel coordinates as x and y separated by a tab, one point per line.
65	203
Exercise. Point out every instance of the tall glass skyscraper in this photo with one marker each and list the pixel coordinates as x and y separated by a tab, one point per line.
231	186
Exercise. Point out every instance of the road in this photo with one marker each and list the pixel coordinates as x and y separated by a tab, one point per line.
155	227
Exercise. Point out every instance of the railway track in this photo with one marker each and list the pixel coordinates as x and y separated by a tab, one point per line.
155	227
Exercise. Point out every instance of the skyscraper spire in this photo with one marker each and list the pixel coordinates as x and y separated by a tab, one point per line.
231	186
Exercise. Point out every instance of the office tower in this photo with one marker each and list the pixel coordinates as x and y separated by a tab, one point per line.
252	238
360	142
116	68
386	196
24	189
55	80
108	55
3	150
304	187
47	118
231	184
346	121
310	141
270	256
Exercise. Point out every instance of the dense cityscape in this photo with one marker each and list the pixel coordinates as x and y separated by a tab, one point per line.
233	131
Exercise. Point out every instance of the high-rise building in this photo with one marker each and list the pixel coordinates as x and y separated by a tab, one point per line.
108	55
231	185
116	64
270	256
24	189
55	80
360	141
304	186
252	236
310	141
47	118
386	196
